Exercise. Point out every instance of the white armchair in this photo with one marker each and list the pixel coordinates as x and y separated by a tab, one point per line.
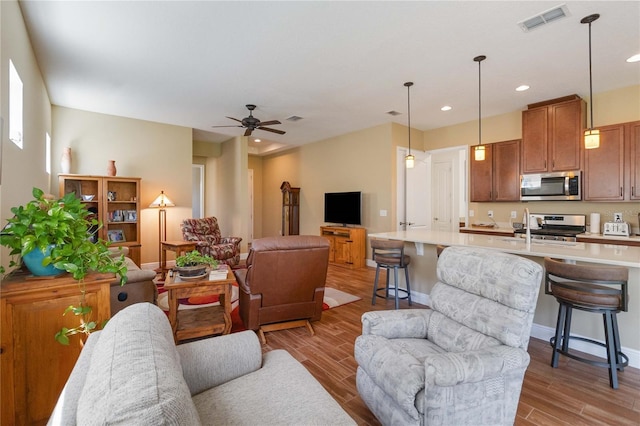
462	361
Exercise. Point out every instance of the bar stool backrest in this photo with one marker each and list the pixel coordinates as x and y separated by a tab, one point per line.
389	252
594	279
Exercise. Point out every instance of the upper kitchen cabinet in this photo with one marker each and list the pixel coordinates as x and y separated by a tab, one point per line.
552	135
612	171
497	177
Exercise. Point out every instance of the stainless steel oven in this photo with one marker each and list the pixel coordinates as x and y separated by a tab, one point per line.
558	186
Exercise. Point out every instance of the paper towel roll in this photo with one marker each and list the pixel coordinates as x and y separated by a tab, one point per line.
594	226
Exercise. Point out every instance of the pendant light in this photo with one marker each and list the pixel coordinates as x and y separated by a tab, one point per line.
591	135
479	151
409	160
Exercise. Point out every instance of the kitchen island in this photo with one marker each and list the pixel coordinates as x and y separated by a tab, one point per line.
421	247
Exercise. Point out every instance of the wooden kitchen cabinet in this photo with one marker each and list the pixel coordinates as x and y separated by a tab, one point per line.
117	203
34	365
497	177
346	245
552	133
612	171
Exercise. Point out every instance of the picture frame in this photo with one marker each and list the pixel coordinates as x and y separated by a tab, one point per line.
111	195
116	236
131	216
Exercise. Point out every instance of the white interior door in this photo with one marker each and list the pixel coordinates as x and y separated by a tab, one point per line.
413	188
197	191
442	195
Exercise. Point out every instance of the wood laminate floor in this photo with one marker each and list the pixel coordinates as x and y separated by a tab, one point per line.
573	394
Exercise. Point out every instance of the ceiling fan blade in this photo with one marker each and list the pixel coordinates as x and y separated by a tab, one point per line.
269	123
248	132
226	126
231	118
280	132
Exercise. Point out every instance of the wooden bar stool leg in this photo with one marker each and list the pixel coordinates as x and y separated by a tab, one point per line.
567	328
616	341
556	340
375	285
406	276
611	355
395	276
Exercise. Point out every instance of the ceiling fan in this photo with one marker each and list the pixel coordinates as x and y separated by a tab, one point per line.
251	123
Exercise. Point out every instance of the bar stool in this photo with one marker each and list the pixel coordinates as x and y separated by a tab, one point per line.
590	288
389	254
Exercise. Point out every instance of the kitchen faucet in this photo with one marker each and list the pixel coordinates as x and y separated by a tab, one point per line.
528	222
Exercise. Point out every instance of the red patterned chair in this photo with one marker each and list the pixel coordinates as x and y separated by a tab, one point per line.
206	233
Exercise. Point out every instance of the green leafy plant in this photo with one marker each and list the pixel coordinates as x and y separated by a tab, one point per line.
194	258
64	225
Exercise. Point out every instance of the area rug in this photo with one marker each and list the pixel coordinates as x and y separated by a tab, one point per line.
332	299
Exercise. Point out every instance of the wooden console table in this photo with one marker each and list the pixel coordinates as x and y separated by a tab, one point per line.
204	321
35	366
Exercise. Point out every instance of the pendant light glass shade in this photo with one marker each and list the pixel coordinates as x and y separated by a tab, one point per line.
591	135
409	160
479	150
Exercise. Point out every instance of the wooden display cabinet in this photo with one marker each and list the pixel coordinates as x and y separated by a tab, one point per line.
116	203
552	134
346	246
34	365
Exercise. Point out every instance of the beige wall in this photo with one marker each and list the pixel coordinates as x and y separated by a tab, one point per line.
358	161
22	169
255	164
159	153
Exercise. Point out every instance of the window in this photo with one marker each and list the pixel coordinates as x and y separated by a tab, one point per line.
15	105
47	154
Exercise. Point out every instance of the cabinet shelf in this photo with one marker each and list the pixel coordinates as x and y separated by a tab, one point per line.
112	194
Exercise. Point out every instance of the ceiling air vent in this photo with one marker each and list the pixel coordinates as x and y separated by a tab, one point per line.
545	17
394	113
293	118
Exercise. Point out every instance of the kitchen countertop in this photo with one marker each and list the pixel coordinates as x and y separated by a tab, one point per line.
607	254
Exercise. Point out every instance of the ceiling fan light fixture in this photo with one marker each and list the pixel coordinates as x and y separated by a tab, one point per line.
591	136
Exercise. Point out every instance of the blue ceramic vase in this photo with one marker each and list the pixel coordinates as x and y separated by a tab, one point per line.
33	260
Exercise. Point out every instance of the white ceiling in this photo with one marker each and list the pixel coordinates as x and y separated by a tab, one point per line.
339	65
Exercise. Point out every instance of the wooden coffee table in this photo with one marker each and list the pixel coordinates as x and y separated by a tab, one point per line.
204	321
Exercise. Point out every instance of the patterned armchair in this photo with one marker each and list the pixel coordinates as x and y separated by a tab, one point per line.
462	362
206	233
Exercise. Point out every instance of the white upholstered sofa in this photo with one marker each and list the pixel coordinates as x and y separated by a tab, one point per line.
131	372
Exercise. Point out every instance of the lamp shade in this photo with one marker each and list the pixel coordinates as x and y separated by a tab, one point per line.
410	161
162	201
591	138
479	153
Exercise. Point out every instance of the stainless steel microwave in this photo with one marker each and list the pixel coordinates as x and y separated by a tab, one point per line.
558	186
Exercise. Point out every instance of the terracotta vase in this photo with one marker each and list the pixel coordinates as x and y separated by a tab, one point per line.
111	168
65	160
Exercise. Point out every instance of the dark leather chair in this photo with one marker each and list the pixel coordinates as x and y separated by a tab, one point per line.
283	284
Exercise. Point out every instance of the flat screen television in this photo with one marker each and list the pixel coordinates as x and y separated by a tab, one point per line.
343	208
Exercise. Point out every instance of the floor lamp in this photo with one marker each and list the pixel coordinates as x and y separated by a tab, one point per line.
161	202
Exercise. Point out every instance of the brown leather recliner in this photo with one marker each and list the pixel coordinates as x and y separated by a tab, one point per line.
283	284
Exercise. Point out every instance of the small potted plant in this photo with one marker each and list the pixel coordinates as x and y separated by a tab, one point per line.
58	232
194	264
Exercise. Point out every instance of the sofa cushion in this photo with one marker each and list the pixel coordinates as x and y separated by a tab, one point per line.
282	392
135	376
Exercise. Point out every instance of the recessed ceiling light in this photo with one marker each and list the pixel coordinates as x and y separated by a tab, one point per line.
446	108
257	140
634	58
522	88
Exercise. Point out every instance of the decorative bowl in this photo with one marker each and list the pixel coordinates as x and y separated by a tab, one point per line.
88	197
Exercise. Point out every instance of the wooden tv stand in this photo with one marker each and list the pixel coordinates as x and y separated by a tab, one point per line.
347	245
